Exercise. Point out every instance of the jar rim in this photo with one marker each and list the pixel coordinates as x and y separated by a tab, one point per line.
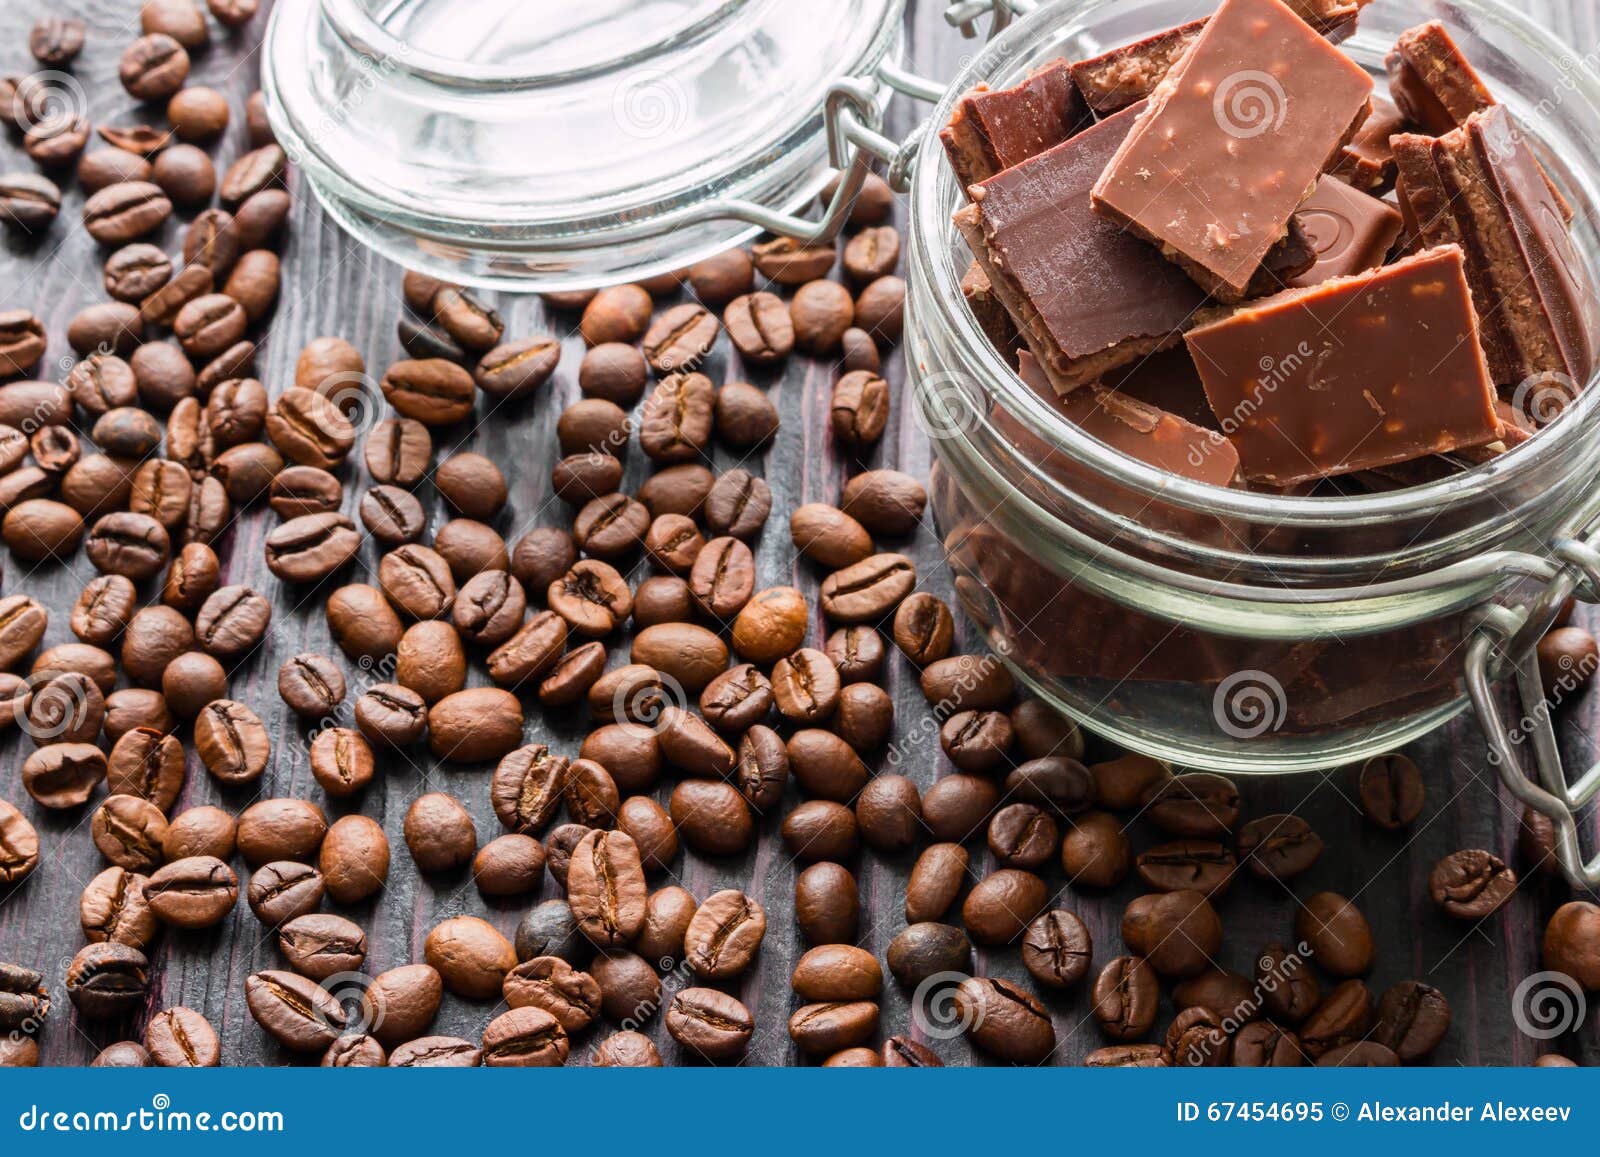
934	198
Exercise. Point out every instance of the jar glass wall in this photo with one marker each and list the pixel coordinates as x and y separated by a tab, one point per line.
1224	628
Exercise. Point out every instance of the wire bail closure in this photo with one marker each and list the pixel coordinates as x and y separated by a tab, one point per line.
853	118
1503	643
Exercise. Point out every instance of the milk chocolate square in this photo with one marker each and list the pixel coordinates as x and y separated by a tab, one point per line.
1353	374
1480	188
1367	162
1114	80
1087	296
993	130
1350	231
1431	82
1232	140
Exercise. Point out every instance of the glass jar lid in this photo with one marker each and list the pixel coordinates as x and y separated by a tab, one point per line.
544	146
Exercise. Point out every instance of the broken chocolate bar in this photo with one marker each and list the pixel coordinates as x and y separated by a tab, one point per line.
1432	83
991	313
994	130
1480	188
1113	80
1350	231
1367	162
1153	436
1086	295
1231	142
1352	374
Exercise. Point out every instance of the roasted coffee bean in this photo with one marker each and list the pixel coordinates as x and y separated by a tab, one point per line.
281	829
611	527
827	535
311	548
251	173
198	115
1392	791
191	681
185	173
1005	1020
864	717
354	859
550	930
936	880
136	707
489	608
246	472
63	775
207	325
161	490
431	660
738	699
551	984
237	412
541	556
391	716
102	382
1197	1038
790	262
417	581
518	368
527	788
592	797
856	652
436	1052
871	254
470	956
1201	865
125	211
771	625
191	579
592	597
820	311
1412	1019
296	1010
714	819
593	426
1002	904
957	807
1289	990
1127	996
393	516
626	1050
1344	1016
613	372
24	1000
673	542
114	908
105	981
440	833
342	761
709	1023
201	831
128	832
1022	835
679	338
1471	884
722	579
676	420
825	766
859	410
880	308
398	452
310	429
738	504
232	621
1056	949
606	888
724	936
889	813
1337	933
1196	805
232	741
302	490
149	764
60	708
977	741
718	280
135	271
467	320
282	890
1279	846
153	67
1569	940
39	529
1177	932
19	845
363	623
180	1037
475	725
510	865
194	892
81	657
1262	1044
869	590
103	168
23	621
432	391
928	950
29	202
619	313
319	945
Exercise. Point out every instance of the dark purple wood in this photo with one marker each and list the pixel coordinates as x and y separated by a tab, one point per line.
334	287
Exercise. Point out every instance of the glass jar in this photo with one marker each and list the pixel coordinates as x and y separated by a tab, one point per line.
1239	631
562	146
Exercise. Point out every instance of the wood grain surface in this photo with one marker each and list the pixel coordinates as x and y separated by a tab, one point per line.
333	286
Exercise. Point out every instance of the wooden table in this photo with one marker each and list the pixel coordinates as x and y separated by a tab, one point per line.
333	286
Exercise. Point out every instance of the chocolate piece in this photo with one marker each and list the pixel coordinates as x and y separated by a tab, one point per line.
1367	162
1480	188
1114	80
1431	81
1153	436
1350	231
991	313
994	130
1086	295
1167	381
1292	256
1352	374
1232	140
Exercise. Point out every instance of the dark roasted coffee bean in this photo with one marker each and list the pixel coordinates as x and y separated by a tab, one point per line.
1392	791
319	945
28	202
1279	846
147	763
676	421
125	211
927	950
1022	835
737	699
1177	932
1471	884
1056	949
1289	989
180	1037
309	429
309	549
1197	805
869	590
714	819
432	391
1337	933
162	490
722	940
114	908
709	1023
296	1010
19	845
859	409
738	504
282	890
1127	997
1005	1020
790	262
232	741
106	981
194	892
1345	1015
1201	865
1002	904
1412	1019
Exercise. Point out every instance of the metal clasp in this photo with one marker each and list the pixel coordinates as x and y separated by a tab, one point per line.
1503	643
853	118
